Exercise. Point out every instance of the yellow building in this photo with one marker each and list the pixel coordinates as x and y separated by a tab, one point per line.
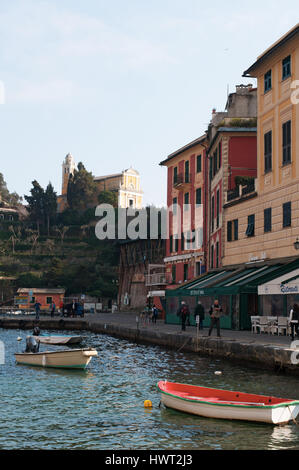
126	184
263	220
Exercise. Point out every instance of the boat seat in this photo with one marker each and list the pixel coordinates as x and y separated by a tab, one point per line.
225	402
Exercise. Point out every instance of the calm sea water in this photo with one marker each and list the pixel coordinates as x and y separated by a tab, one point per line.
102	408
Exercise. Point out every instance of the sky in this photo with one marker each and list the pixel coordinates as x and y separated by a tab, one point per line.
120	83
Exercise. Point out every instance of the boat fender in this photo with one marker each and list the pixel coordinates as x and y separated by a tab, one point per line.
218	372
148	404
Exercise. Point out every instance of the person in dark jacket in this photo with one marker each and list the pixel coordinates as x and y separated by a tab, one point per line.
37	307
199	312
294	321
184	313
215	312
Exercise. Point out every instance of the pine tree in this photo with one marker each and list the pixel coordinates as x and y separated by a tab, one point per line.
81	189
50	205
36	204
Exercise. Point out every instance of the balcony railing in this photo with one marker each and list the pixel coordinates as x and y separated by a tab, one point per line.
181	179
158	279
240	191
233	194
250	188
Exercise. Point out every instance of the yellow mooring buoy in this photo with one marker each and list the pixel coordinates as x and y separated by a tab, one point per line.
148	404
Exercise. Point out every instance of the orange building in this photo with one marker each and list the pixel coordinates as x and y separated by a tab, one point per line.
29	296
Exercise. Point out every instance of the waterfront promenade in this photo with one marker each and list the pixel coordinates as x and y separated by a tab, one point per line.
261	350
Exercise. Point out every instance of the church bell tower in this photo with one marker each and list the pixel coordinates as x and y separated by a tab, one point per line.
68	167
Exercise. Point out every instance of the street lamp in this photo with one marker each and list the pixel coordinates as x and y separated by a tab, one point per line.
296	244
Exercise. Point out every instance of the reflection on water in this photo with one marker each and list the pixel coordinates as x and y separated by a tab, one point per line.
103	407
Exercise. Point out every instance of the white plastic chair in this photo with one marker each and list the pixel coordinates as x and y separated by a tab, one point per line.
272	325
255	321
282	325
263	325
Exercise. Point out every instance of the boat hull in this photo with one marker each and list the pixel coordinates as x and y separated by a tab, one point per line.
69	359
277	414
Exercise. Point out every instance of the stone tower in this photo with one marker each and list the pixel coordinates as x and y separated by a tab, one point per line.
68	167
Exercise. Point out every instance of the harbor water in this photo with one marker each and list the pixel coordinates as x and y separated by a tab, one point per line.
102	408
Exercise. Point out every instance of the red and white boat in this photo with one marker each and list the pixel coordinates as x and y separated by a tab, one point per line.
222	404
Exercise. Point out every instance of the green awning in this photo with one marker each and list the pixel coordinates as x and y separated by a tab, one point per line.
242	280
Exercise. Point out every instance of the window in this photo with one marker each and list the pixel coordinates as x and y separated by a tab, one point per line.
212	213
251	226
217	255
212	257
187	175
175	203
268	81
217	207
286	143
185	272
286	67
173	273
199	164
211	168
186	201
229	231
171	244
287	214
175	175
198	268
176	244
268	151
268	220
232	230
131	202
215	162
49	300
219	155
191	240
183	242
236	229
198	196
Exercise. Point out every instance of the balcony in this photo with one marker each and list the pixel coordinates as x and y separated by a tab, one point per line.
156	275
240	192
182	181
158	279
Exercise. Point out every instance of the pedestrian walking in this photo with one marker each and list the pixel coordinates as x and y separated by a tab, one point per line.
184	314
199	312
215	312
155	314
53	308
294	321
37	307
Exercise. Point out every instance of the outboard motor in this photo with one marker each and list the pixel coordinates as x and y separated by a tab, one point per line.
32	346
36	331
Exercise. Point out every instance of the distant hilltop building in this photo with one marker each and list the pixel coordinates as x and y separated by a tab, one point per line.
126	184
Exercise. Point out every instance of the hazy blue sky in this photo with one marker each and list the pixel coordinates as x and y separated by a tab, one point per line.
121	83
